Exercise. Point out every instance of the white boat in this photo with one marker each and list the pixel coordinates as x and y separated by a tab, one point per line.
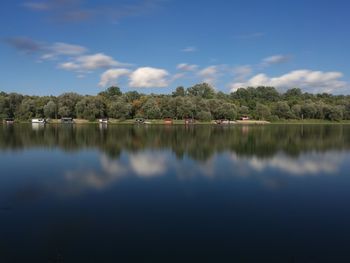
38	121
225	122
105	121
8	121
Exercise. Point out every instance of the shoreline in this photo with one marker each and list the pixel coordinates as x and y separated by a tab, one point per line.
181	122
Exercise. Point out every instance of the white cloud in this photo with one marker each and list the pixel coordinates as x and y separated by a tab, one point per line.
111	76
189	49
148	77
209	74
77	11
71	66
75	55
90	62
25	45
60	48
177	76
187	67
46	50
276	59
95	61
310	81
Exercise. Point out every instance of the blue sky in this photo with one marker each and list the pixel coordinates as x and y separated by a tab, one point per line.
55	46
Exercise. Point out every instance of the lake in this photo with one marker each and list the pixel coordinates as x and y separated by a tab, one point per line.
90	193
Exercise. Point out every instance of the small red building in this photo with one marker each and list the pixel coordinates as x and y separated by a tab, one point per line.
168	121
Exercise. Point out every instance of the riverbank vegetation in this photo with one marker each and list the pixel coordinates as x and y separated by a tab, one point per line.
200	102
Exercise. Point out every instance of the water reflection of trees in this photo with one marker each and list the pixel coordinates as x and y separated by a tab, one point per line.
199	142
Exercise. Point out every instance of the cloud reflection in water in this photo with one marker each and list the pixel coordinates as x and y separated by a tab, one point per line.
142	165
303	165
151	164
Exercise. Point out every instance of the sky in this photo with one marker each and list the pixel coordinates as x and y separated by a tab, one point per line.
48	47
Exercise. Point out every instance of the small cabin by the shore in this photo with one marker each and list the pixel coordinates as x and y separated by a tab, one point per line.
168	121
8	121
245	118
67	120
139	121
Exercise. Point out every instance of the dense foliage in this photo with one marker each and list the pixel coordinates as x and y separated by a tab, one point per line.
200	101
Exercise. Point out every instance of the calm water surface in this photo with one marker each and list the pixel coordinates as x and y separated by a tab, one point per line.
175	194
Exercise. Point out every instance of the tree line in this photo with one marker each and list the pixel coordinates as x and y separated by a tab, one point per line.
200	102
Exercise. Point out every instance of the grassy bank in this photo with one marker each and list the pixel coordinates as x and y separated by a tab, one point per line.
310	121
131	121
150	121
182	122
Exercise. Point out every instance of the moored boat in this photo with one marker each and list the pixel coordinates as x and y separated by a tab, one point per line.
103	121
39	121
224	122
139	121
9	121
67	120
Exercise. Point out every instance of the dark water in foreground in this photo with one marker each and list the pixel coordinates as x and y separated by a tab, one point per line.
175	194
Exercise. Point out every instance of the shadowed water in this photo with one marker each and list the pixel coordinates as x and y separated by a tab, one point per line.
172	194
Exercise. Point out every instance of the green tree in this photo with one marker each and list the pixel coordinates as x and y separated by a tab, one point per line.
243	110
50	109
214	107
226	111
119	109
204	116
333	113
296	110
67	103
263	112
64	111
282	110
187	108
130	96
4	107
294	93
267	94
14	101
26	110
203	90
179	92
309	110
111	92
151	109
90	108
